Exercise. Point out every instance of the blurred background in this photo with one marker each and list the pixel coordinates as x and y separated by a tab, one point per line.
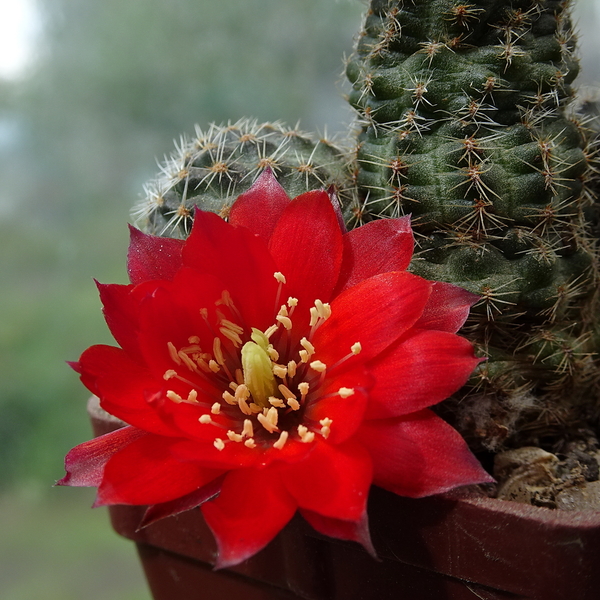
91	94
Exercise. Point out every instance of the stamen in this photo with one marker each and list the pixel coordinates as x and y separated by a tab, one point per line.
303	389
306	436
232	326
232	336
270	331
169	374
286	392
283	311
310	349
285	321
280	371
346	392
205	419
279	277
233	385
318	366
173	353
269	421
219	444
273	354
215	409
174	396
194	339
280	443
192	396
217	351
249	443
304	356
255	408
291	368
292	302
234	437
325	427
356	348
278	402
242	392
213	366
230	399
187	361
248	430
323	309
314	316
293	404
244	406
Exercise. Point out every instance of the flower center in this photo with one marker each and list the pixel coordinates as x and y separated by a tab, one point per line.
266	383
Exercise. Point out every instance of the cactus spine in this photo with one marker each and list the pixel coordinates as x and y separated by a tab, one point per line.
217	165
466	122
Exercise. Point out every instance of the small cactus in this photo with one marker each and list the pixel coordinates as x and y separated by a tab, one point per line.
213	168
466	122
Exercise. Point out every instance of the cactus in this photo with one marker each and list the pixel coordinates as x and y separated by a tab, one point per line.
466	121
216	166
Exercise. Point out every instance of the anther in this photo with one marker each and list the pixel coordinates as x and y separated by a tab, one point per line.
242	392
249	443
307	346
215	409
213	366
318	366
273	354
356	348
270	331
280	443
248	430
291	368
303	389
292	302
205	419
218	353
346	392
169	374
293	403
232	336
279	277
325	427
174	396
229	398
194	339
173	353
244	406
219	444
285	321
323	309
278	402
269	421
280	371
306	436
192	396
234	437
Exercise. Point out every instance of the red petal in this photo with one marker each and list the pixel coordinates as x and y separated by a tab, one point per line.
419	455
376	247
85	463
150	257
307	247
156	512
447	309
376	312
260	207
420	371
250	511
332	480
354	531
146	472
240	260
122	386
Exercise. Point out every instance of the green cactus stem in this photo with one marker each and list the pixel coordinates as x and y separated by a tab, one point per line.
215	166
466	120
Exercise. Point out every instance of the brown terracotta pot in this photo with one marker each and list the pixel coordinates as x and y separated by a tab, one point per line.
456	546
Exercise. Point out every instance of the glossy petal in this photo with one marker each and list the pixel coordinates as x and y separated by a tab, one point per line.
307	247
447	308
354	531
419	455
85	463
332	480
422	370
250	511
157	476
261	206
376	247
152	257
376	312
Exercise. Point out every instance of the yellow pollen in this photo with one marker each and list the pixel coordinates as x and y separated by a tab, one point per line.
213	366
205	419
242	392
306	436
249	443
231	336
169	374
304	356
175	397
234	437
280	371
229	398
292	302
270	331
318	366
307	345
346	392
286	392
279	277
194	339
303	388
173	353
248	430
314	316
219	444
283	311
269	421
215	409
192	396
293	404
291	368
273	354
285	321
323	309
356	348
325	431
278	402
244	406
218	353
280	443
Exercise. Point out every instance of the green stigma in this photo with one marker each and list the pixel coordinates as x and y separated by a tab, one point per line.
258	369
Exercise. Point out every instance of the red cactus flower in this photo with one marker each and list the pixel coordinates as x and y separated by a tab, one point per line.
276	363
